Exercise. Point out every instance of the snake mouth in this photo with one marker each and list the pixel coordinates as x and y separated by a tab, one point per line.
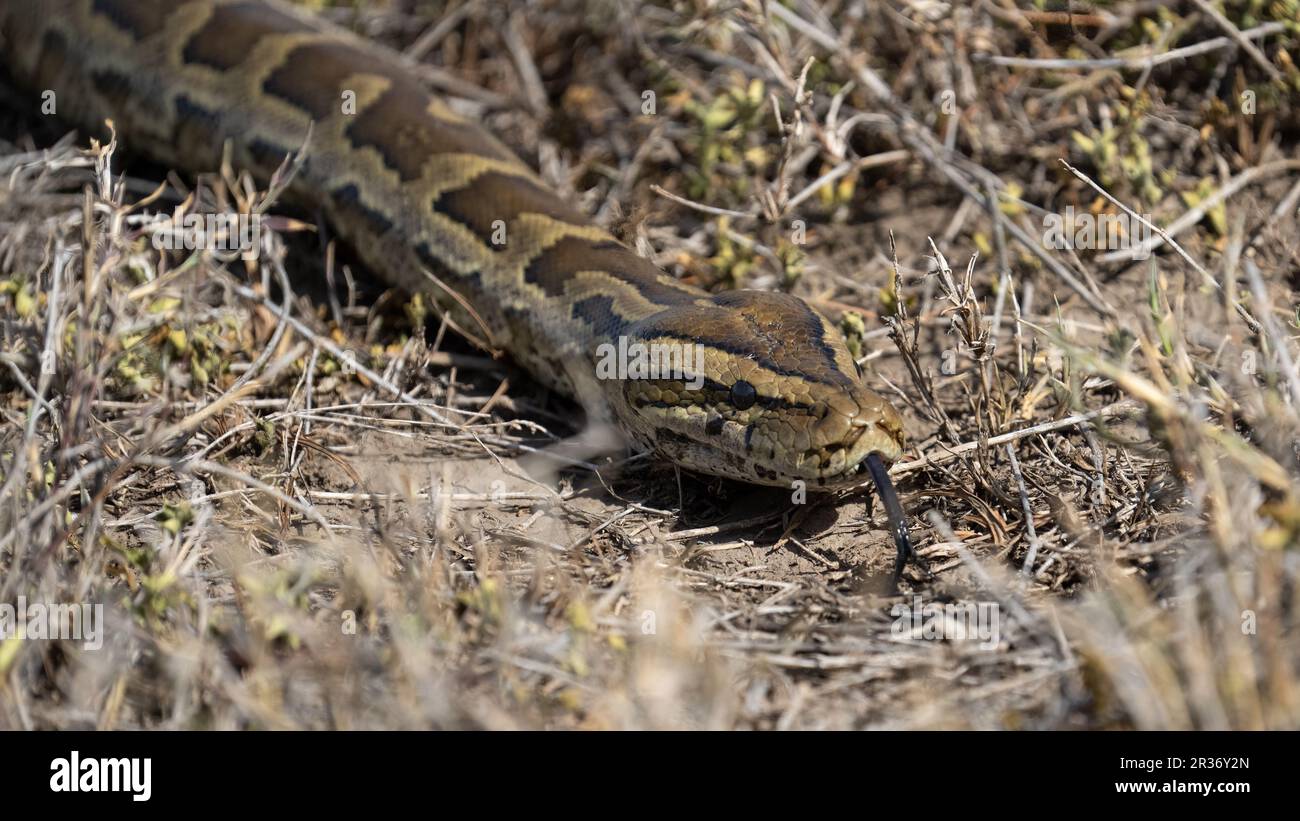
855	472
853	476
882	437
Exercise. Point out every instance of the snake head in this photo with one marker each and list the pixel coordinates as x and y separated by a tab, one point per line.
764	390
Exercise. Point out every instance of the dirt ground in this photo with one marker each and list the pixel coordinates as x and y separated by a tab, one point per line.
1102	471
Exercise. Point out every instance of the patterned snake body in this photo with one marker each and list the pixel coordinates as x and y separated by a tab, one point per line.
423	194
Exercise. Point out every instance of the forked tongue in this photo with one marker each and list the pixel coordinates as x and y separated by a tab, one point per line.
897	522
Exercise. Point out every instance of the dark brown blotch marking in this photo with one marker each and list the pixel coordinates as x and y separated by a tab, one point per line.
197	129
779	317
232	32
399	126
139	18
114	87
471	283
54	53
268	156
347	200
494	196
311	77
555	266
598	312
777	331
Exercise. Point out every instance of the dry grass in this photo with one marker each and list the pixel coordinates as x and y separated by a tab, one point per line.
310	507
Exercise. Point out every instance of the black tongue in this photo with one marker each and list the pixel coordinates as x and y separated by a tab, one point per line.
897	521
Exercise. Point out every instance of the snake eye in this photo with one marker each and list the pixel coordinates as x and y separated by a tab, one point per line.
743	395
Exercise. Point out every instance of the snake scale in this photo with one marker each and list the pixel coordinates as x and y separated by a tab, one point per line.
426	196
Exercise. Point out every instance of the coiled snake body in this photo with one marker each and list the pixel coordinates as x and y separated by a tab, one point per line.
422	193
